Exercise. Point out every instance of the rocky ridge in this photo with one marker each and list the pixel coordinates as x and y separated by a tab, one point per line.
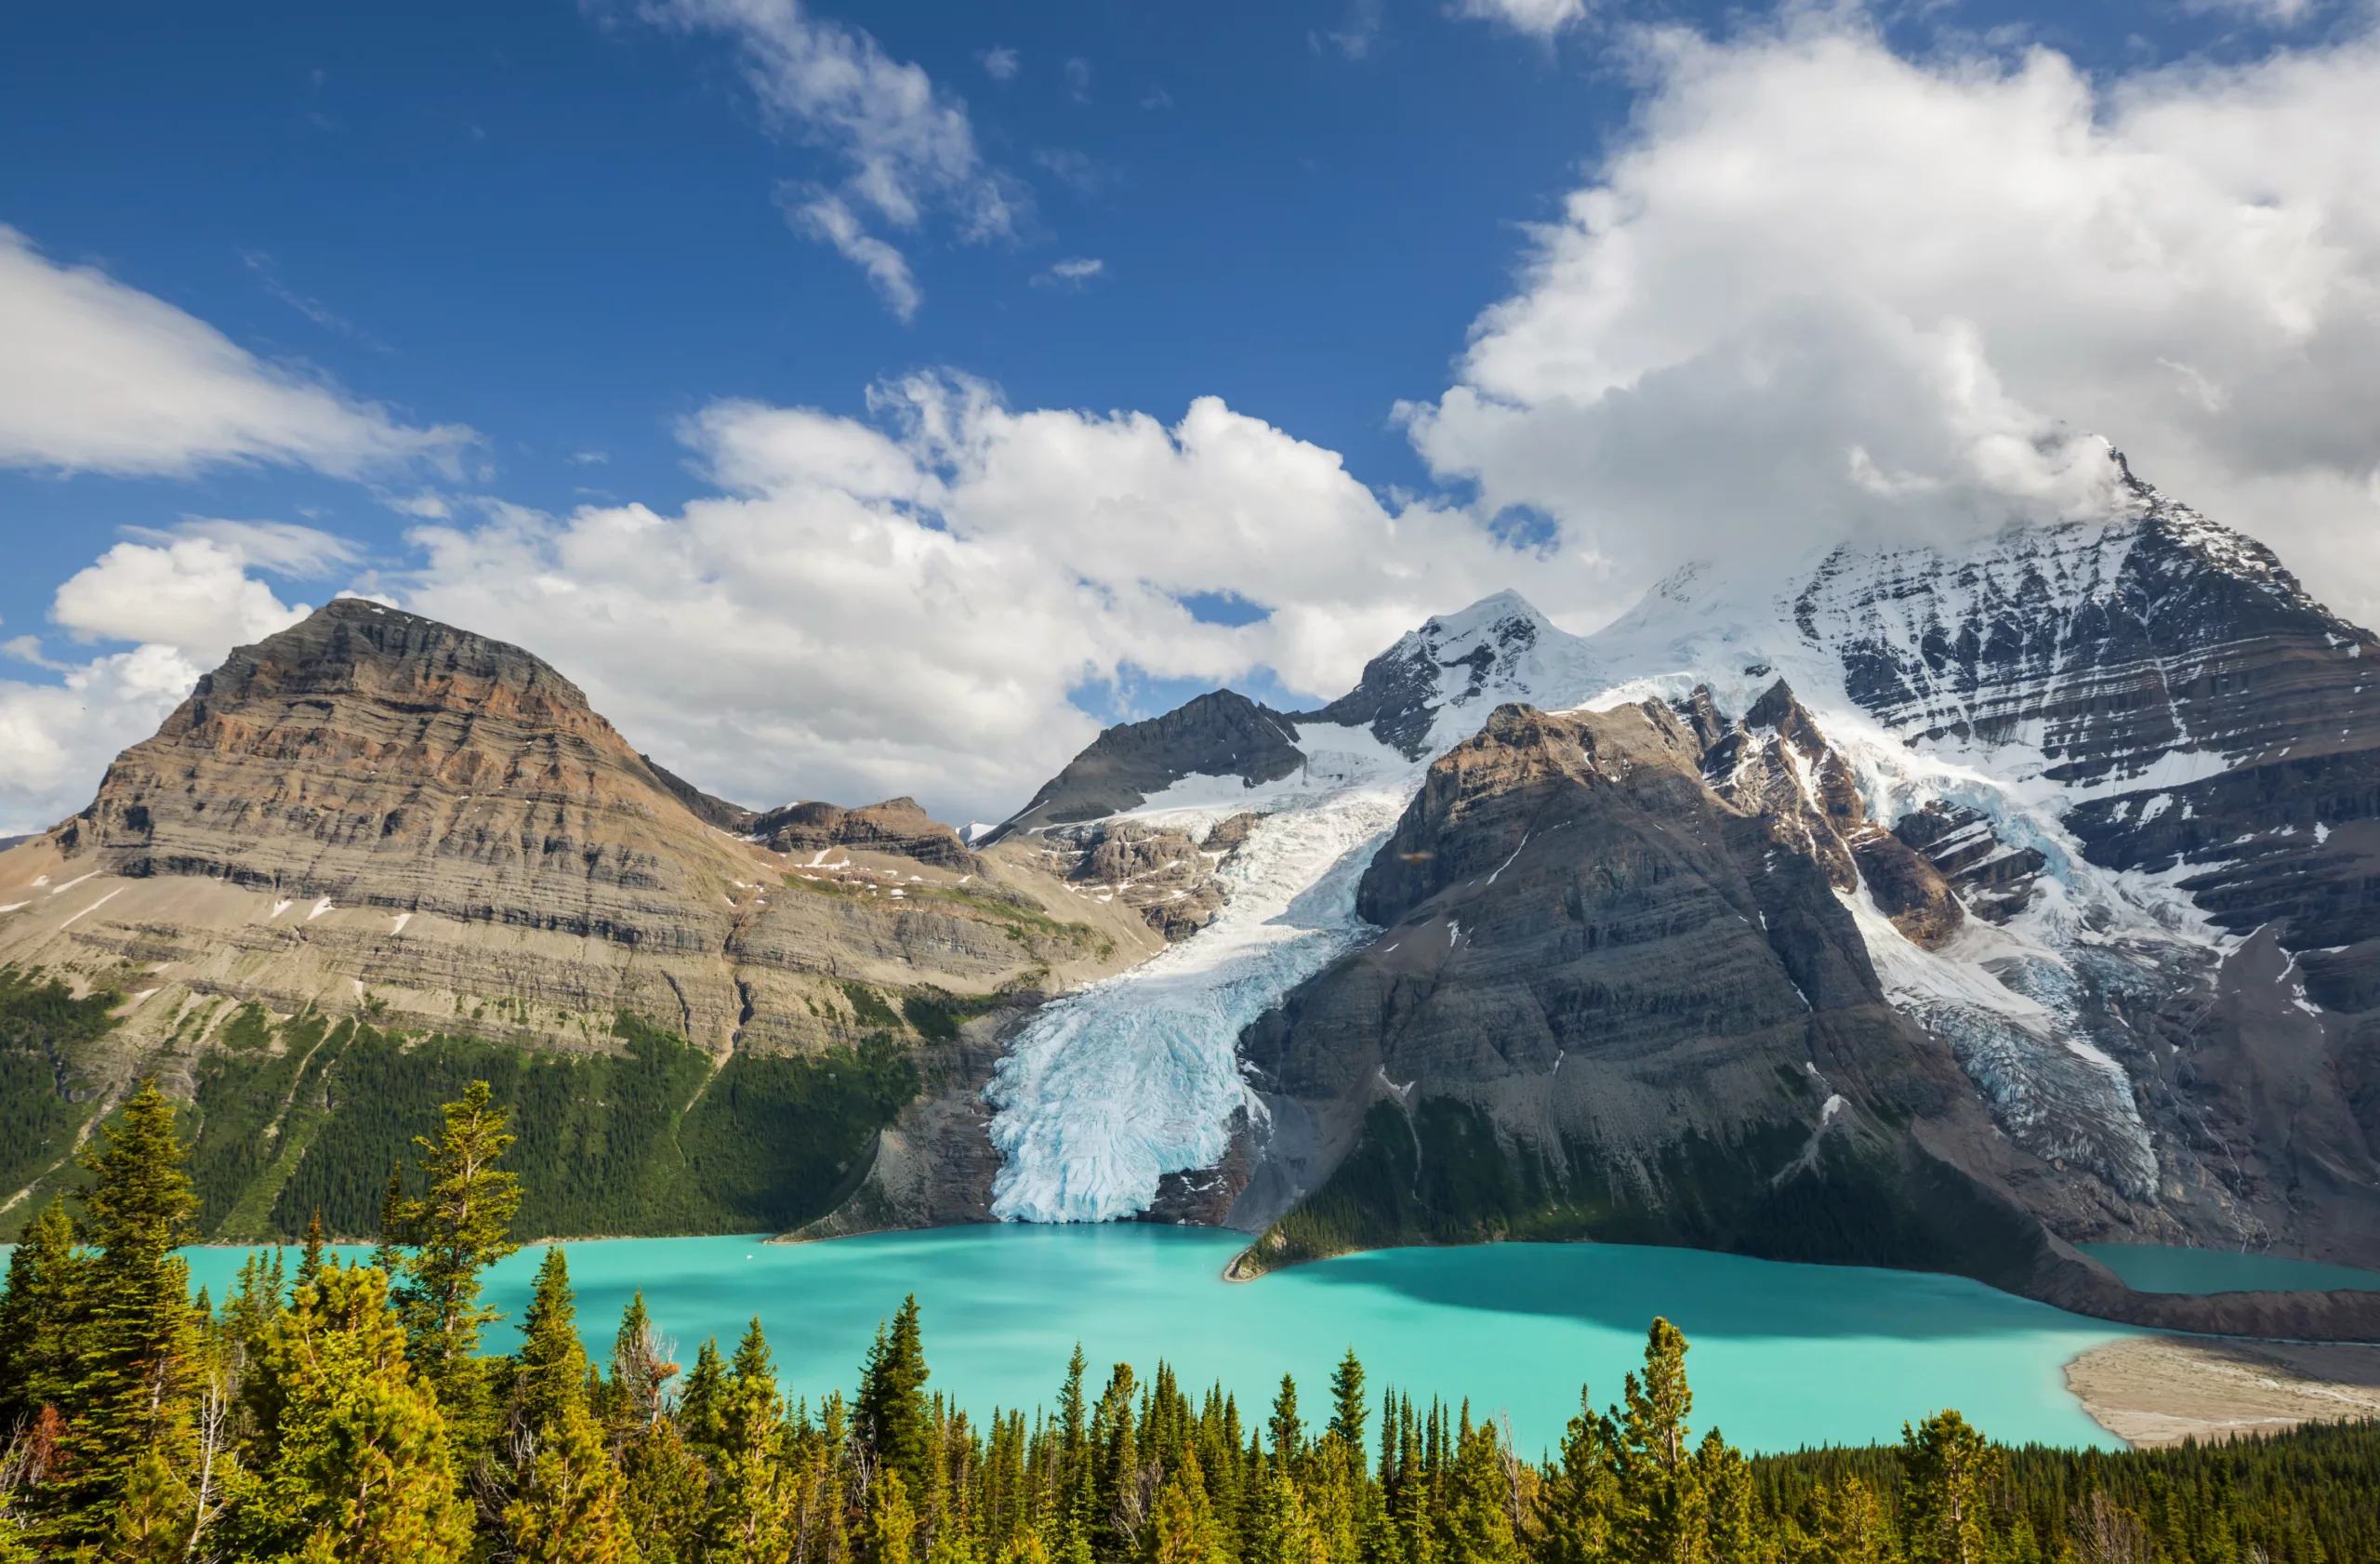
373	810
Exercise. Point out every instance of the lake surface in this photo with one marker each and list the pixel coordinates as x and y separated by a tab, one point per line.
2148	1267
1781	1355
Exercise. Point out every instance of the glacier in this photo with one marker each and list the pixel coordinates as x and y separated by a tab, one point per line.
1110	1088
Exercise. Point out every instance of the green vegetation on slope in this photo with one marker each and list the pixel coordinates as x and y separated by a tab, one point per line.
309	1115
347	1413
43	1030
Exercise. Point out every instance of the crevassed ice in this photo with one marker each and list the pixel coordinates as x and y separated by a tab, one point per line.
1109	1089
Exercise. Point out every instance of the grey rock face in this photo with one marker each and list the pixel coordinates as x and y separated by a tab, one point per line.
1220	733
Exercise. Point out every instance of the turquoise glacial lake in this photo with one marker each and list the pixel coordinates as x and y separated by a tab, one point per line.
2147	1267
1781	1355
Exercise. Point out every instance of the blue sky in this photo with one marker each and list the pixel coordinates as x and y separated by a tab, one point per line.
512	271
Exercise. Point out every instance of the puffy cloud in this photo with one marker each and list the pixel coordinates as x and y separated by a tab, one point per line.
906	145
1001	64
1826	290
100	376
187	598
906	605
193	594
58	738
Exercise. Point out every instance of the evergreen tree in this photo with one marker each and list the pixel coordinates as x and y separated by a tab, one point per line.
36	1319
640	1367
892	1519
551	1379
1347	1404
310	1258
1478	1523
570	1509
1948	1466
666	1493
387	1255
750	1512
890	1414
135	1331
1288	1433
357	1467
702	1411
1661	1512
1851	1525
457	1228
1575	1502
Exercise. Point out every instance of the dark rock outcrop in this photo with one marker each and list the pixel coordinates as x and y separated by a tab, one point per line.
1220	734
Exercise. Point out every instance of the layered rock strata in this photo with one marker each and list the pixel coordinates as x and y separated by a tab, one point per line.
374	809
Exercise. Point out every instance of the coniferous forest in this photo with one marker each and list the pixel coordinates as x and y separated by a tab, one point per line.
325	1412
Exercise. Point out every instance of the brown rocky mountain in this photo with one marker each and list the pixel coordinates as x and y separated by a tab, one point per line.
374	815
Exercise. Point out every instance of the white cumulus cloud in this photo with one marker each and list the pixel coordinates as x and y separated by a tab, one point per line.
98	376
1825	289
906	605
186	598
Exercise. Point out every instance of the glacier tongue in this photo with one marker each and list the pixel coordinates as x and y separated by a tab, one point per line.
1109	1089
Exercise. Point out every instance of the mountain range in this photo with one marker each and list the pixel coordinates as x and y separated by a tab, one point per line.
1943	907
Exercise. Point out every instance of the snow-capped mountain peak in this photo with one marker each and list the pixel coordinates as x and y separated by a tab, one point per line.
1433	688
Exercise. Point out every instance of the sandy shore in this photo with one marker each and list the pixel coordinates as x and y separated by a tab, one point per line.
2159	1390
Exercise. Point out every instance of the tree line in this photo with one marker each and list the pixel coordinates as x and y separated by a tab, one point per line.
327	1412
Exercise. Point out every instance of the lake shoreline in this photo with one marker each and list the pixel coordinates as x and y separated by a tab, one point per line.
2156	1390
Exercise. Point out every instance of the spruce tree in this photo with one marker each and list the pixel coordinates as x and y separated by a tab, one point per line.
1660	1512
891	1413
1478	1522
569	1509
135	1333
1288	1433
310	1258
551	1378
1948	1465
1851	1527
459	1227
1347	1404
701	1411
357	1466
892	1520
750	1512
37	1315
640	1367
388	1255
1575	1500
665	1494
